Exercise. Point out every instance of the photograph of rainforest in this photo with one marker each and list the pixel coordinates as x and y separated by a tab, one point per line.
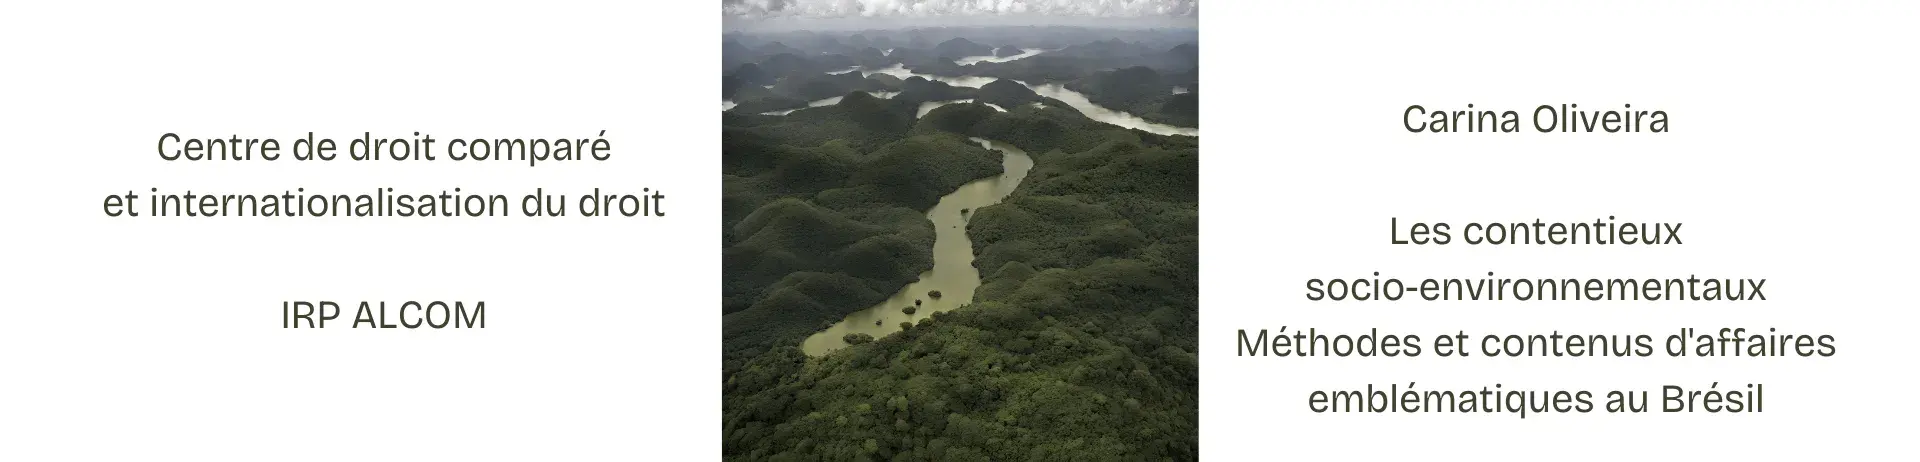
960	230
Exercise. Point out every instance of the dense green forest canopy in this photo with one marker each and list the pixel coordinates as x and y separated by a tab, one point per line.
1081	342
1142	91
1006	93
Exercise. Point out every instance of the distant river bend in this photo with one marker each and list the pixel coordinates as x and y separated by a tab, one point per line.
1060	92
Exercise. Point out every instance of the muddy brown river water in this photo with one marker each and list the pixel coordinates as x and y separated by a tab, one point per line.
952	274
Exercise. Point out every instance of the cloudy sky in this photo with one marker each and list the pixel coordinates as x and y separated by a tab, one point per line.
903	9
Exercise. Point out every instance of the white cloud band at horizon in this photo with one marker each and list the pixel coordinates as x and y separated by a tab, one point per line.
770	9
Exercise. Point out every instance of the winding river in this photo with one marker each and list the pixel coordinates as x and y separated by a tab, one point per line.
1024	53
1060	92
829	102
953	273
929	106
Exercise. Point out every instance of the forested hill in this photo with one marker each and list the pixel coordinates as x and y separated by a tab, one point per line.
1080	344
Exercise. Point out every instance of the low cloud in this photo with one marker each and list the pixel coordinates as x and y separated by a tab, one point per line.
803	9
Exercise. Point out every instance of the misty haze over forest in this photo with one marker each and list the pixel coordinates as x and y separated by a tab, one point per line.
840	15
